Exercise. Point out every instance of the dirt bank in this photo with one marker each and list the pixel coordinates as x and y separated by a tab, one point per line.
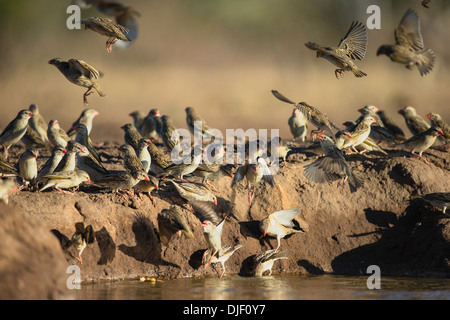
380	224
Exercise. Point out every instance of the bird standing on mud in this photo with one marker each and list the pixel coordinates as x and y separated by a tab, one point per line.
352	47
409	48
80	73
422	141
264	262
15	130
415	123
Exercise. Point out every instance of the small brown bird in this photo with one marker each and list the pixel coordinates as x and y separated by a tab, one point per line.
332	166
254	172
93	168
150	127
212	171
123	181
51	164
138	117
264	261
360	133
69	161
415	123
352	47
27	166
7	187
159	161
277	148
193	117
80	73
65	180
131	161
212	227
298	125
389	124
82	137
32	139
172	221
57	136
147	186
107	27
38	123
279	224
221	256
15	130
436	121
82	237
182	169
143	154
169	134
131	135
312	114
409	48
439	199
87	117
194	192
422	141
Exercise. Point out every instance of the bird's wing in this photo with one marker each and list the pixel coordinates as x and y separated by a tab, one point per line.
84	68
204	212
267	174
354	42
89	234
408	32
285	217
240	174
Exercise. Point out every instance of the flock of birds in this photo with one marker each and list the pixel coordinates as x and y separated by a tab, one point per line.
74	159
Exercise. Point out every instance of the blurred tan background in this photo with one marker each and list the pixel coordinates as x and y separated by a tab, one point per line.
222	57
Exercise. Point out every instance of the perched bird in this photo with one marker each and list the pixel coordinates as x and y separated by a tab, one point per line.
212	171
82	237
80	73
131	161
107	27
38	123
138	118
69	161
87	116
264	262
254	172
279	224
51	164
389	124
123	181
332	166
169	134
409	48
298	125
415	123
172	221
15	130
7	187
7	168
312	114
221	256
352	47
360	133
143	154
32	139
57	136
131	135
377	131
343	137
438	199
65	180
82	137
149	128
93	168
194	192
277	148
147	186
27	166
436	121
212	227
421	142
186	167
192	117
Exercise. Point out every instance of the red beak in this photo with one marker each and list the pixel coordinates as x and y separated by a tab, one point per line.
64	151
441	132
147	179
215	202
428	116
74	127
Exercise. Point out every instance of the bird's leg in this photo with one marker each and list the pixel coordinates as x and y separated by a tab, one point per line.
418	155
340	72
79	258
210	259
86	94
122	195
223	271
65	191
5	151
314	133
207	184
152	199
